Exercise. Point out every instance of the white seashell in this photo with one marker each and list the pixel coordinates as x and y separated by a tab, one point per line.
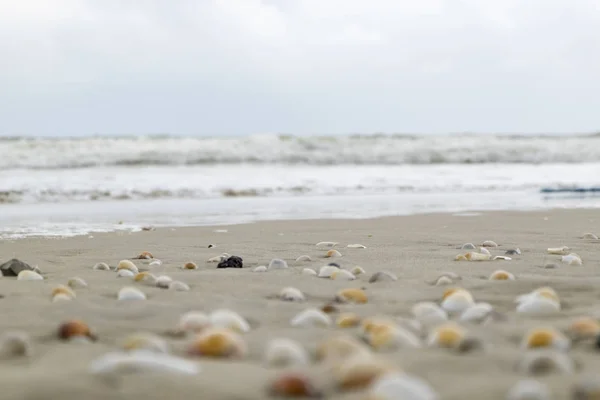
155	263
326	271
218	259
589	236
303	258
357	271
179	286
260	268
477	256
489	243
528	389
503	258
27	275
230	320
538	306
572	259
458	301
129	265
443	280
399	338
342	275
311	317
291	294
333	254
77	283
125	273
327	244
193	321
145	341
61	297
285	353
483	250
559	250
468	246
309	271
163	281
397	385
131	293
382	276
277	263
476	313
101	267
142	361
357	246
429	314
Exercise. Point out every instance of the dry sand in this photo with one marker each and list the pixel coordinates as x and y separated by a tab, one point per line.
416	248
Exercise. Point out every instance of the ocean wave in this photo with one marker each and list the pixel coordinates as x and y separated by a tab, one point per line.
376	149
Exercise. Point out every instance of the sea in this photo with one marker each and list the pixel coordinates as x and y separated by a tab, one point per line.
57	187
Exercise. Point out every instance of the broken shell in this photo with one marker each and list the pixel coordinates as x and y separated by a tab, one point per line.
73	329
347	320
278	263
190	265
327	244
308	271
356	246
327	271
131	293
127	265
351	295
544	338
333	254
303	258
528	389
564	250
501	275
101	267
311	317
394	386
489	243
179	286
228	319
342	275
260	268
291	294
28	275
145	341
292	385
193	321
285	352
218	343
382	276
77	283
502	258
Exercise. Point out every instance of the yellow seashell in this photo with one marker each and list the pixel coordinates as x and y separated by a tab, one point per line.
339	348
128	265
448	335
545	337
221	343
65	290
501	275
347	320
584	328
352	295
360	371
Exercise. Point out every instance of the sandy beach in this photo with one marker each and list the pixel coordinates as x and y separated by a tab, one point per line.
415	248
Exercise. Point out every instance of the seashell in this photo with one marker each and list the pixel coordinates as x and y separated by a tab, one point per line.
374	323
449	335
572	259
303	258
308	271
128	265
327	244
584	328
145	277
131	293
485	251
391	337
528	389
291	294
542	301
221	343
163	281
228	319
513	252
347	320
292	385
28	275
65	290
382	276
357	271
356	246
326	271
477	313
193	321
359	371
351	295
155	263
61	297
278	263
333	254
125	273
73	329
429	313
142	361
544	338
76	283
472	256
145	341
456	300
394	386
218	259
339	348
468	246
586	388
489	243
179	286
311	317
540	362
501	275
190	265
260	268
101	267
589	236
460	257
329	309
564	250
501	258
443	280
342	275
285	353
15	343
145	255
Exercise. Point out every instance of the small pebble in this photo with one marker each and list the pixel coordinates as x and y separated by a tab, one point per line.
513	252
231	262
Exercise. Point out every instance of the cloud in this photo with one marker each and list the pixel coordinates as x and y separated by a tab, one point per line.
243	66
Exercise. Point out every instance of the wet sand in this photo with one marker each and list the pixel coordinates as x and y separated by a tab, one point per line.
416	248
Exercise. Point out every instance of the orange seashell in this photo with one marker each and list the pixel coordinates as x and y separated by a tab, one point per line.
347	320
293	385
145	255
584	328
62	289
218	343
190	265
74	328
360	371
352	295
329	309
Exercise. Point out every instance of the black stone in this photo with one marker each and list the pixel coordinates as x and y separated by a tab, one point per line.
231	262
511	252
334	265
13	267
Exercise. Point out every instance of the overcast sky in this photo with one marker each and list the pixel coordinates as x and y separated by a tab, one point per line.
207	67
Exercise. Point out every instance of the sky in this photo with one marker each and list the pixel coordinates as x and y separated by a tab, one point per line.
238	67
